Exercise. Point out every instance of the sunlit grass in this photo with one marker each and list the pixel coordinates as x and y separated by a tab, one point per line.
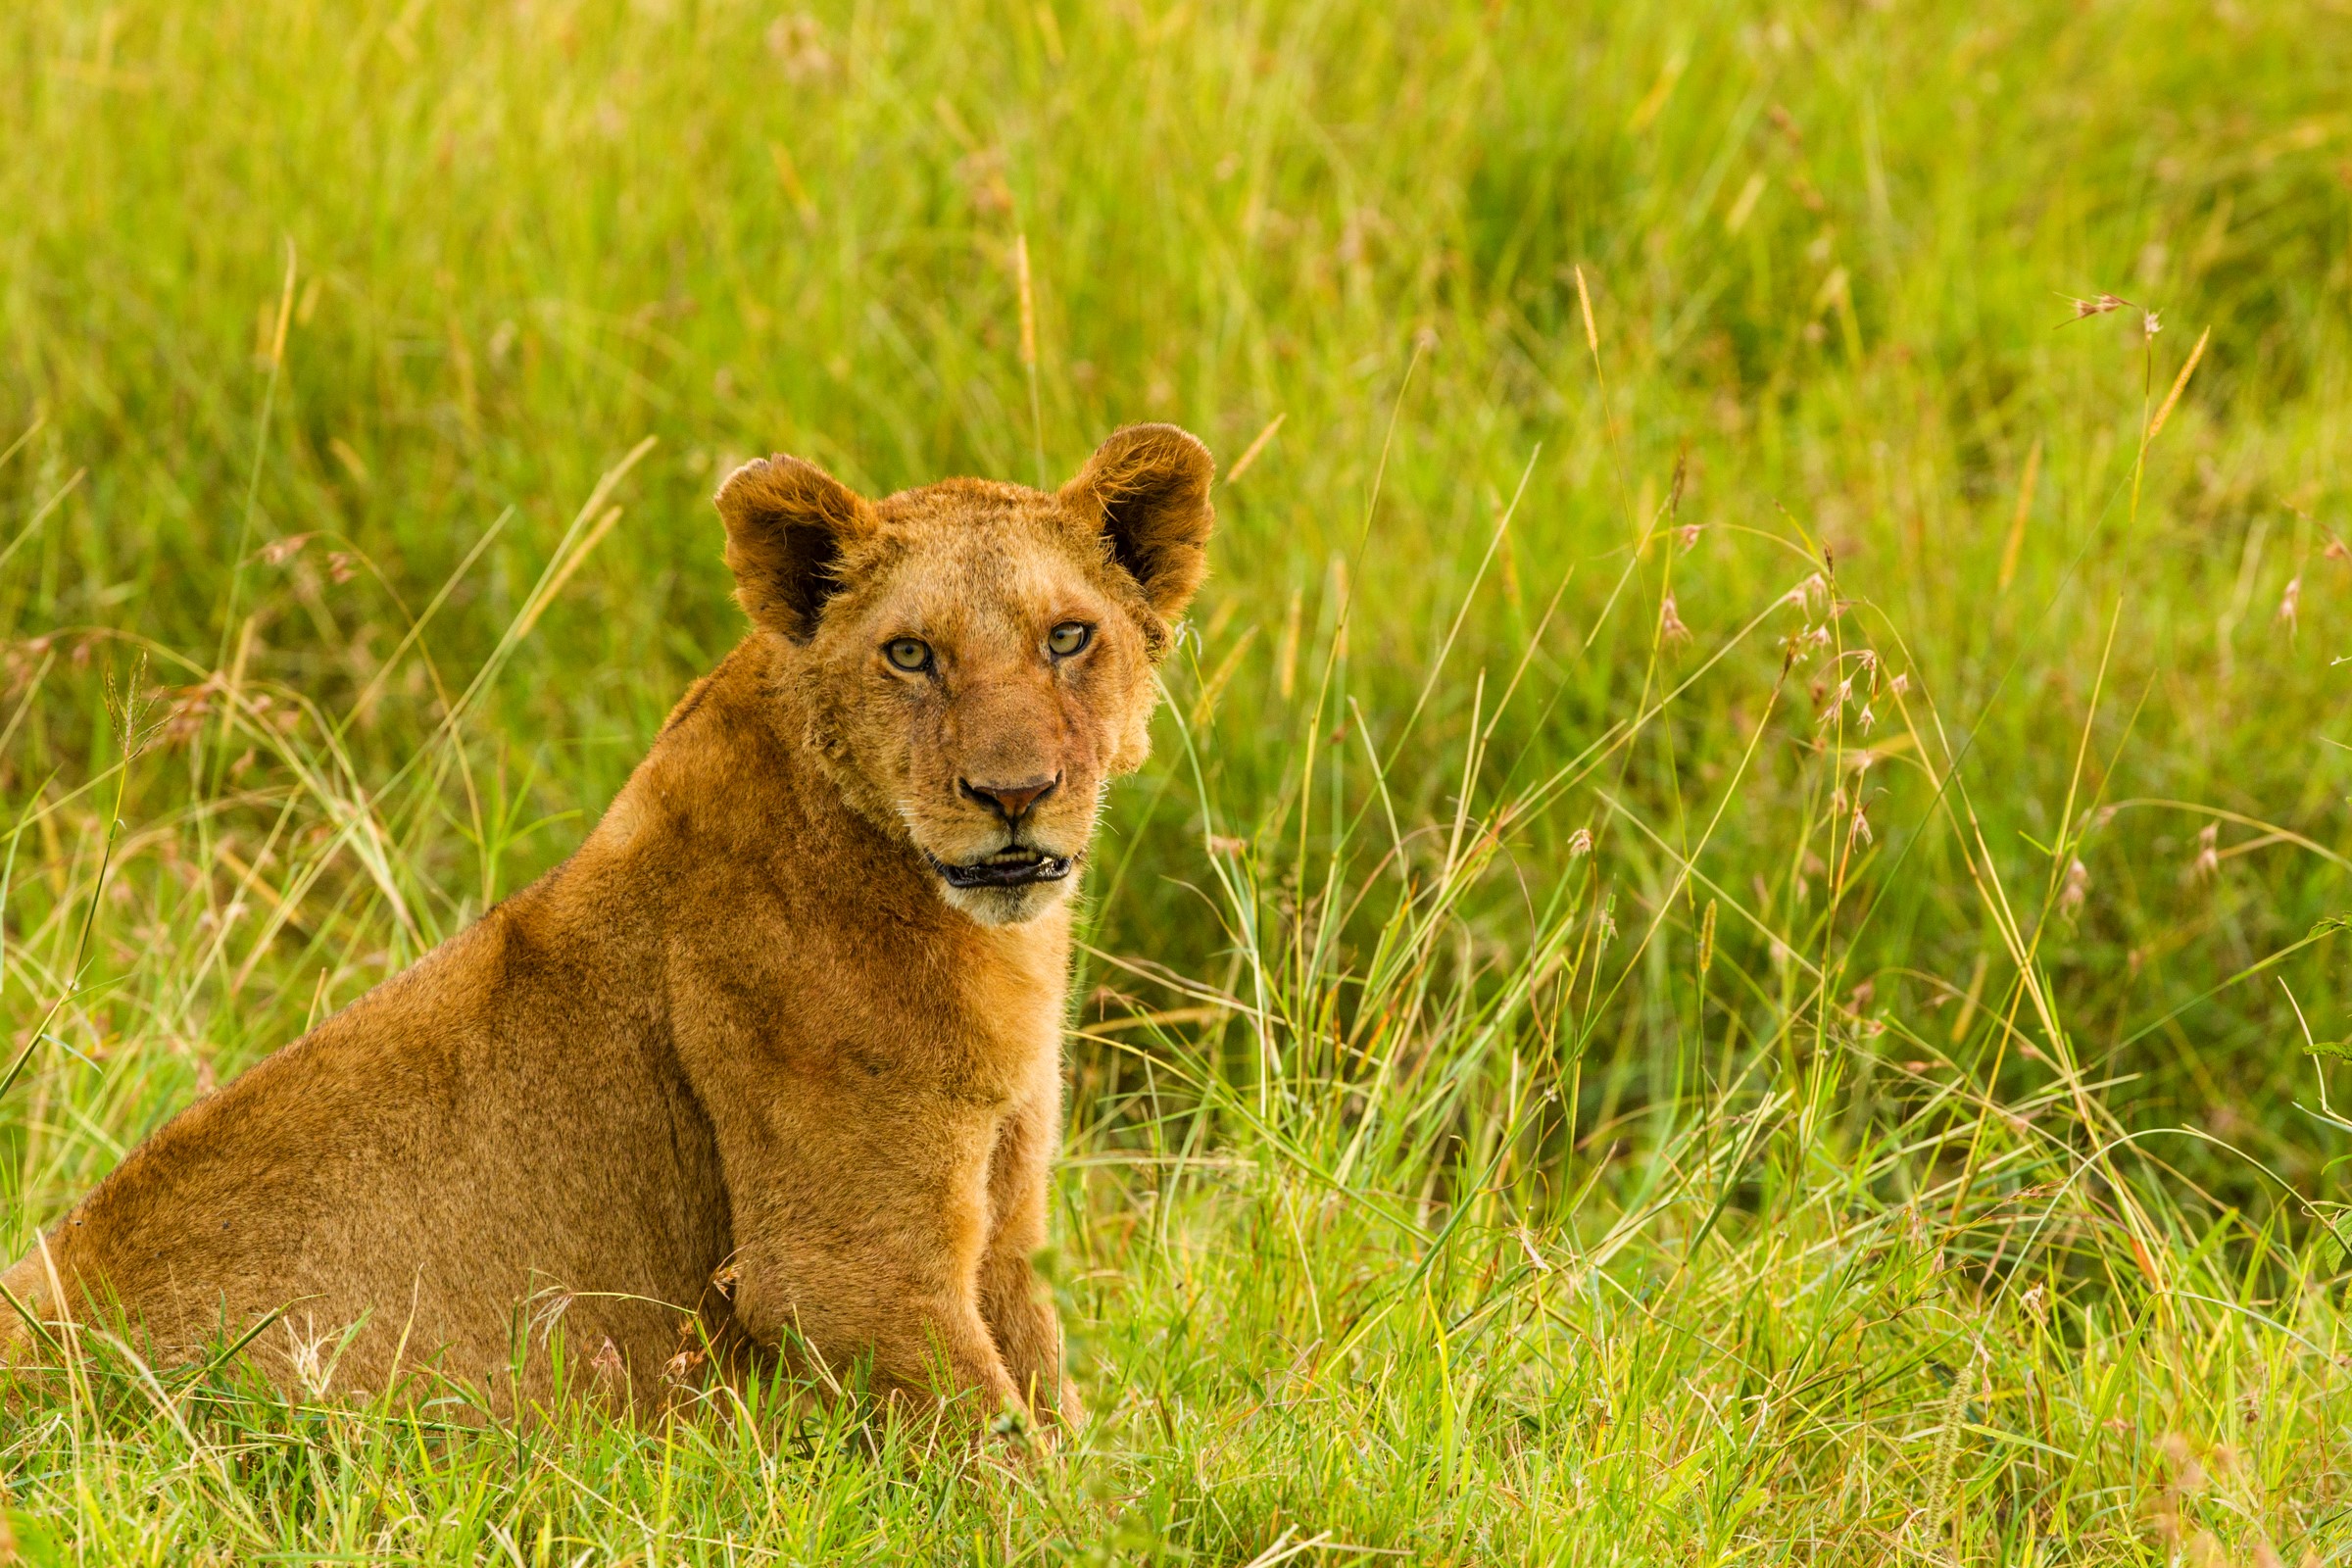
1715	961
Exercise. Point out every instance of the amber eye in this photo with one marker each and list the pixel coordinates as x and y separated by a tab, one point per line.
910	654
1068	637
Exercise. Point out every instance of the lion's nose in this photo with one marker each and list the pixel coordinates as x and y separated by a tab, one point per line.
1011	801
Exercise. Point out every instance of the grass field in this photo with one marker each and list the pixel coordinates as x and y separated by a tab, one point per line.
1721	955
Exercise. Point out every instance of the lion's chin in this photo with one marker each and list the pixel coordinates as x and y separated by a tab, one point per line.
1008	905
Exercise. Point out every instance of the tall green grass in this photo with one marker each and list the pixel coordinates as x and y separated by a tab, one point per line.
1717	957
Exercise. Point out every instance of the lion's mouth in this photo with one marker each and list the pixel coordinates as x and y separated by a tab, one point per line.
1014	867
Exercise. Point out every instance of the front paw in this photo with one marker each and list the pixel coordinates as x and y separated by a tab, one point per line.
1039	1425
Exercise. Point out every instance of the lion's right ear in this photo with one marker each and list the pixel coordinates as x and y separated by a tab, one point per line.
787	522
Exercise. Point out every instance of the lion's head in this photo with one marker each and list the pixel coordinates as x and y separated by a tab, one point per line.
974	659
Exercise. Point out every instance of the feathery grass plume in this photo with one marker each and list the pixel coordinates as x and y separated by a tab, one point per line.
1944	1464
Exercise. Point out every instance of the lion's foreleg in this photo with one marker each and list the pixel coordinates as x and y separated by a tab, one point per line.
881	1269
1016	1303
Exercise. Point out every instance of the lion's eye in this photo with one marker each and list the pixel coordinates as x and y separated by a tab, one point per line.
1068	637
910	654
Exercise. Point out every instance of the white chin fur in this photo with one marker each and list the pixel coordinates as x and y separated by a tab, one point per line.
1007	905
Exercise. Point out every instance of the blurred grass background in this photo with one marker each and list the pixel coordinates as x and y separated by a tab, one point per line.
313	317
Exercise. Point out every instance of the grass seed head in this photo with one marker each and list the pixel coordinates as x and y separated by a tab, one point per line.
2208	863
553	1304
2077	888
2099	304
1670	624
2183	1472
796	41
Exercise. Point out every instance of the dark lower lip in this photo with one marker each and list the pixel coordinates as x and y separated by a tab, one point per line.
1005	874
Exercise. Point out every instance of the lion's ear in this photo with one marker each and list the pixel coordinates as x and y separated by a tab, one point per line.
787	521
1147	488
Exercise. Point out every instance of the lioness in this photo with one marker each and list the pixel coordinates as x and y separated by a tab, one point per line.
788	1021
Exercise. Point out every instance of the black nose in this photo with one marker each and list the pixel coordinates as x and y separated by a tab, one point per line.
1011	801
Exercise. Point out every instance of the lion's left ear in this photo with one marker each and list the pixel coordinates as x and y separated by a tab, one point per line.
1147	488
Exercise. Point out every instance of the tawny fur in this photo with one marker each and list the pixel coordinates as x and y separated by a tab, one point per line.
747	1031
